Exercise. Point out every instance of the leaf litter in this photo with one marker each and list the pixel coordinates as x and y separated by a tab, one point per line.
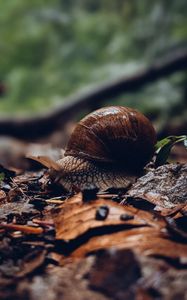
94	244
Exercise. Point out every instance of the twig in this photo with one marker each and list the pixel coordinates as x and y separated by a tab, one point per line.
23	228
42	125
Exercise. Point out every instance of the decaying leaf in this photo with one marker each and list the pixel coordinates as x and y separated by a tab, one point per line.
105	249
16	261
86	227
146	241
75	217
16	208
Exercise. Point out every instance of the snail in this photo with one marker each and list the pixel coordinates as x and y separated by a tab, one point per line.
108	148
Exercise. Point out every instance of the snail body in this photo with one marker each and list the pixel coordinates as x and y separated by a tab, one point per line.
108	148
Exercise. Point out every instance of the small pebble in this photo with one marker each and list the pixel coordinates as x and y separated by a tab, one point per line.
102	213
126	217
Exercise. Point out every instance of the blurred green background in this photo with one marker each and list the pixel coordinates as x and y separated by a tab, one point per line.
54	48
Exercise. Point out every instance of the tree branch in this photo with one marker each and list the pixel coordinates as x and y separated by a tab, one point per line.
2	89
37	127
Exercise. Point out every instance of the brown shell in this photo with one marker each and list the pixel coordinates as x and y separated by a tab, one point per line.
114	134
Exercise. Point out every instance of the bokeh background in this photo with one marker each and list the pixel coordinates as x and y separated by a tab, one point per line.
53	49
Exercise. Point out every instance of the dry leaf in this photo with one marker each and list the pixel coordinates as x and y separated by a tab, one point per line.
16	208
75	218
144	240
102	224
46	161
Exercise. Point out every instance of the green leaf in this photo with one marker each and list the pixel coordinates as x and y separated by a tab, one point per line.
2	176
172	139
164	147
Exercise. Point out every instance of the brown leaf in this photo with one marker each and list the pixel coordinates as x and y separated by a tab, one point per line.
144	240
25	178
46	161
75	218
102	224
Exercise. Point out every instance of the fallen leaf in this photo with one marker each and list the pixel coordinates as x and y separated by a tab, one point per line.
75	218
144	240
16	208
46	161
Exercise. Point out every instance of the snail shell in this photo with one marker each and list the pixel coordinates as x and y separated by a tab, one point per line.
114	135
108	148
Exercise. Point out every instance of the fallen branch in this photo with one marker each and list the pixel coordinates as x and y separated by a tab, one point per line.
42	125
2	89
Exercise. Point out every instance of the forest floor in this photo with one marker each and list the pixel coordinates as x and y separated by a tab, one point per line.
90	244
